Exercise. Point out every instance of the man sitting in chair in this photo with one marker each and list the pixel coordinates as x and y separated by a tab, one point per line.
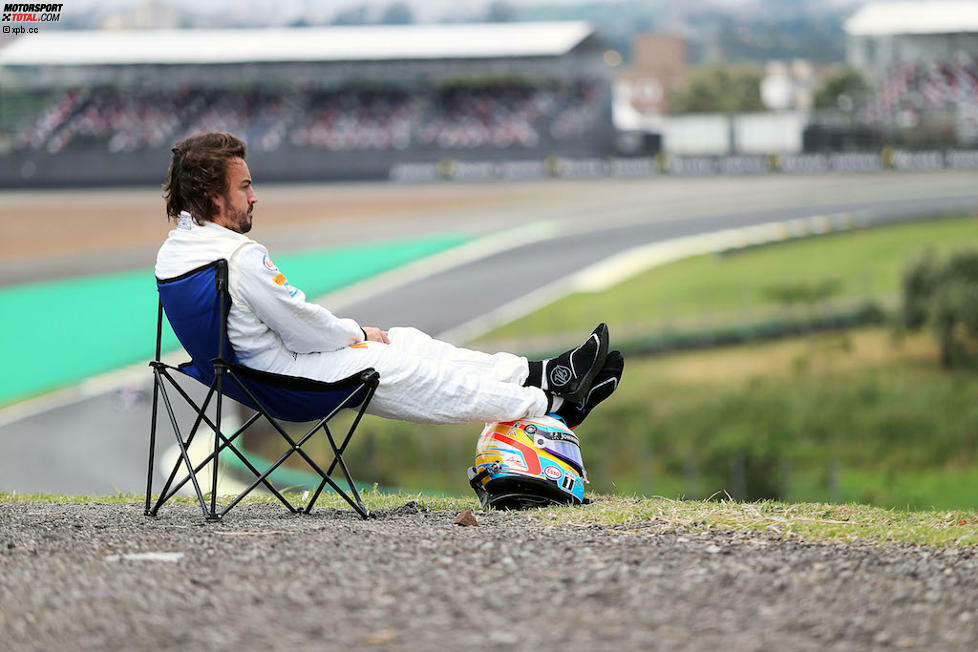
273	328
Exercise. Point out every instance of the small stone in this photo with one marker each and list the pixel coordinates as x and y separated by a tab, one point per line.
379	637
170	557
714	549
466	518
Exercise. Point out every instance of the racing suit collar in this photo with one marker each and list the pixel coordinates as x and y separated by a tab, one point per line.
187	222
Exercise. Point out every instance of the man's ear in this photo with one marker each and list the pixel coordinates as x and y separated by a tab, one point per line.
218	201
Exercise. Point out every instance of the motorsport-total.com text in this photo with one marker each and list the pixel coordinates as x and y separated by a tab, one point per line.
30	13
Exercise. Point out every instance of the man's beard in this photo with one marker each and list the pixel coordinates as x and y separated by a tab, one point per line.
240	219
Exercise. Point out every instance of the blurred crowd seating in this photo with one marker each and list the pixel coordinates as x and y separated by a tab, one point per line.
497	115
911	89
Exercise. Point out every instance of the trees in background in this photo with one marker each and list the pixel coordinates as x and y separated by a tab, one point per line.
841	88
720	89
944	296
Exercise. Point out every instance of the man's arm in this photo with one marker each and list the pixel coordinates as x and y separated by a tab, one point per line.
304	327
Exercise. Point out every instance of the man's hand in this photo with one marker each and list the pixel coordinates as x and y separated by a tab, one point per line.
376	335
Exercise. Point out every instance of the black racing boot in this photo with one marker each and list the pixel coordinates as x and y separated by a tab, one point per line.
570	374
605	384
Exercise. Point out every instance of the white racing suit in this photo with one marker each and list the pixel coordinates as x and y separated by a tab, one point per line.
273	328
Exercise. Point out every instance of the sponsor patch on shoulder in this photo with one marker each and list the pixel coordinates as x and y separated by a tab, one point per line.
269	265
280	279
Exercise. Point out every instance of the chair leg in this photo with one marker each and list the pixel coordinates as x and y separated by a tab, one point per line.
221	442
152	441
357	504
183	449
296	447
346	473
166	493
363	511
213	516
227	443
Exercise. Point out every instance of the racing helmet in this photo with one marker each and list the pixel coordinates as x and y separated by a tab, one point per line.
528	463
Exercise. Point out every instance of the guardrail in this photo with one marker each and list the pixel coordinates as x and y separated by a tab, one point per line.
887	159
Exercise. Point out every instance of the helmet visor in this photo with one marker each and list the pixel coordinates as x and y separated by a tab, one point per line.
565	449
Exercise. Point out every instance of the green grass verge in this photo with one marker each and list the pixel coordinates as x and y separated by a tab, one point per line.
861	264
800	521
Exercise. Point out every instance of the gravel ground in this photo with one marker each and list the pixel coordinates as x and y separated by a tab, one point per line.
411	579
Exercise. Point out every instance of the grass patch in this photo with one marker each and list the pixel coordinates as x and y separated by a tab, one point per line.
71	499
859	265
800	521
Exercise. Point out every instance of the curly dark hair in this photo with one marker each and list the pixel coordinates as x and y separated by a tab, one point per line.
199	171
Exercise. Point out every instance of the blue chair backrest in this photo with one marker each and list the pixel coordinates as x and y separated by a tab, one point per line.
196	305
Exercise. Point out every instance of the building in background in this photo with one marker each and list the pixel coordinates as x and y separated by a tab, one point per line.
921	58
788	86
641	91
658	67
881	36
647	124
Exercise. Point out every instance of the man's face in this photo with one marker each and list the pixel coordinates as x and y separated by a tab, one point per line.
235	206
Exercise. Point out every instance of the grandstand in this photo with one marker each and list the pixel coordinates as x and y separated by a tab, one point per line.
922	61
95	108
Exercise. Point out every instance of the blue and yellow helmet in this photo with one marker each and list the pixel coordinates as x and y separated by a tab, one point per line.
528	463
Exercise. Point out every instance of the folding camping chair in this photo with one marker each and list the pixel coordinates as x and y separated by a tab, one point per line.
197	305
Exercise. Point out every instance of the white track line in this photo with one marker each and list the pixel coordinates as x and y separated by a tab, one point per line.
132	375
466	253
620	267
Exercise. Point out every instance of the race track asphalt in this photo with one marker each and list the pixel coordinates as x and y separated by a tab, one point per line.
98	444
